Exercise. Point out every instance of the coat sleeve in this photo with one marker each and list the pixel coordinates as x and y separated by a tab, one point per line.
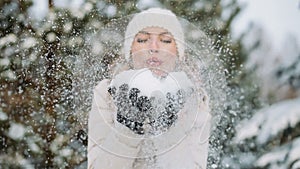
104	143
99	121
203	128
192	150
197	141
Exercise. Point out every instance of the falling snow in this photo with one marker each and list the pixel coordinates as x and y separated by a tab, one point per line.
51	60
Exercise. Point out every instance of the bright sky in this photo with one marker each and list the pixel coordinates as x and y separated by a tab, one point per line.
278	18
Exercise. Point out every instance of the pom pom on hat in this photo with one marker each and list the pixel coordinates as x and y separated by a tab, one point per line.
154	17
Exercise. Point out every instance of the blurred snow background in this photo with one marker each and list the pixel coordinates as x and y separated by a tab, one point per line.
269	32
274	24
274	41
274	33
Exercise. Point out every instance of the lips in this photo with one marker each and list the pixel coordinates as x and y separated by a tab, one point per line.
154	61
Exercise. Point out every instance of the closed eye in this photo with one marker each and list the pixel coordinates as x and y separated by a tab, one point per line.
166	41
166	38
141	40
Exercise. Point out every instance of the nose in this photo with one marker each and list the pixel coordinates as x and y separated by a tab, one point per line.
153	45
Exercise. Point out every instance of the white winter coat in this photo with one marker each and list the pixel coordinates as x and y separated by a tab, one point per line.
178	149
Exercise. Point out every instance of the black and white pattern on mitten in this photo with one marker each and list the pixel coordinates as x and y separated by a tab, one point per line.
142	114
165	111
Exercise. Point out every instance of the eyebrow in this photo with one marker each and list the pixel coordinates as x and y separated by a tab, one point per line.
148	33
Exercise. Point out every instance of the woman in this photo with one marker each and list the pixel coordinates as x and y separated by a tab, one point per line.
150	115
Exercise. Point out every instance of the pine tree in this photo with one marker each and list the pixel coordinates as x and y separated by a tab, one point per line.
43	105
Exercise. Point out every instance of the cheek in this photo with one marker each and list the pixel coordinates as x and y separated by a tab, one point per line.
173	50
134	48
137	60
172	54
136	53
171	62
137	47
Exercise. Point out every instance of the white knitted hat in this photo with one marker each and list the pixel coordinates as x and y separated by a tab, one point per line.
154	17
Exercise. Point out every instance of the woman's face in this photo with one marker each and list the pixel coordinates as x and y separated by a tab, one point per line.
154	48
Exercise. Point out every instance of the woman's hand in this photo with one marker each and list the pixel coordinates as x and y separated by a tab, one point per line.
157	114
